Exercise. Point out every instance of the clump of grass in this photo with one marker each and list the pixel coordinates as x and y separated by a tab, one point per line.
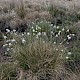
39	55
8	71
40	26
62	16
42	58
45	51
20	10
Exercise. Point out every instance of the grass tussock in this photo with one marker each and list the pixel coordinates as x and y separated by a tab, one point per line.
39	40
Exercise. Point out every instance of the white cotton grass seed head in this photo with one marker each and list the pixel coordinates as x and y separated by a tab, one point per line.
68	35
52	32
10	44
22	34
54	26
6	53
8	40
67	57
73	34
33	23
63	29
8	49
28	33
7	30
33	30
69	53
15	63
57	27
39	34
14	30
54	42
64	39
39	27
56	35
69	38
33	33
11	48
5	37
59	32
23	40
51	24
56	49
32	27
44	33
5	45
62	50
13	40
67	30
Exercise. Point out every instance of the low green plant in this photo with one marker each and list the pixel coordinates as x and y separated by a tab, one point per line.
8	71
62	14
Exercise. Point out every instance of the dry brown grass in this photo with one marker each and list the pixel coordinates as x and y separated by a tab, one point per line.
30	10
43	60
